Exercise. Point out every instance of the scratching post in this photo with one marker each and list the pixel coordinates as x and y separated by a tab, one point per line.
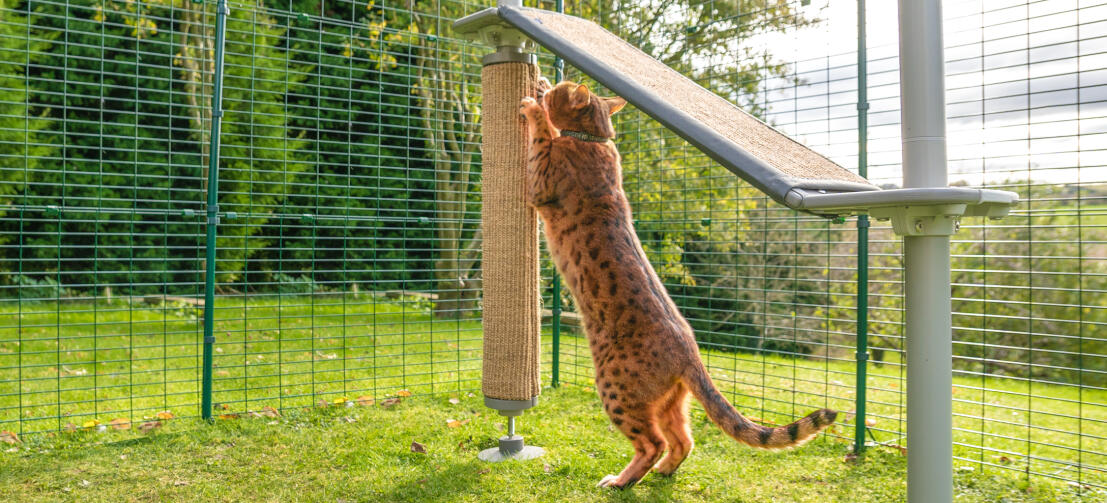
512	305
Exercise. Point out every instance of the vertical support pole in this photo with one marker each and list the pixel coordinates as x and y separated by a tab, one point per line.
928	319
221	12
862	365
555	378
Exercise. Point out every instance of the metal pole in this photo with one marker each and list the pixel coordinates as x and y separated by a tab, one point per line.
221	12
928	319
559	68
862	354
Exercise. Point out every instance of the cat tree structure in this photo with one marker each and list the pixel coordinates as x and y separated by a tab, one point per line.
926	212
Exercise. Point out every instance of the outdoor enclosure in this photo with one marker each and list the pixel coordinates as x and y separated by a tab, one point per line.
349	245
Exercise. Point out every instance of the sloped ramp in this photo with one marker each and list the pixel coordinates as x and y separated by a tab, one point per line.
783	168
759	154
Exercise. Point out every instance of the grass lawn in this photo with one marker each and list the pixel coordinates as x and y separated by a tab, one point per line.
65	366
364	453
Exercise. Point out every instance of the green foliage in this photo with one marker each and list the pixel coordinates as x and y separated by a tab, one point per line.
303	284
31	288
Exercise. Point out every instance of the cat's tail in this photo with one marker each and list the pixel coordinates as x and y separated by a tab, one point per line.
743	430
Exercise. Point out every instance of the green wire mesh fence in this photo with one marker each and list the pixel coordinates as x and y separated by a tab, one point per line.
349	244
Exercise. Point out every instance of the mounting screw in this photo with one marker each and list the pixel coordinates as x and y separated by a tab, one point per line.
956	225
919	225
188	213
424	220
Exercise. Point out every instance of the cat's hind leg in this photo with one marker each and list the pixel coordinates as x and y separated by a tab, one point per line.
649	443
674	426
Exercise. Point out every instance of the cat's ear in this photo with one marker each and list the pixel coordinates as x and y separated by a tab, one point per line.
580	96
614	104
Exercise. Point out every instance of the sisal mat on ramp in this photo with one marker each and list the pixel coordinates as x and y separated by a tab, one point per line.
759	154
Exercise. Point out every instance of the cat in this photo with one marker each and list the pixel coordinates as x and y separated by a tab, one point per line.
645	355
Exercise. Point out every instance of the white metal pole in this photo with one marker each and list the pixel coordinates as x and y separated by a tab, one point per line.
928	319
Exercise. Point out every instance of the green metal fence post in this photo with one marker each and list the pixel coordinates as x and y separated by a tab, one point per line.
862	235
559	69
221	12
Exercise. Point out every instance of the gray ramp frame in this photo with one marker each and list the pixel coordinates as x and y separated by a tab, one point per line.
758	173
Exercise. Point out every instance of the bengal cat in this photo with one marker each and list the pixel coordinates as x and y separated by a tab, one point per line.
644	352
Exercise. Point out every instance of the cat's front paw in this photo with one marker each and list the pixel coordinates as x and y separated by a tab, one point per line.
543	87
526	104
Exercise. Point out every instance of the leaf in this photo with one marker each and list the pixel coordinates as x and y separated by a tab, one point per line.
120	423
453	423
390	402
454	401
228	416
164	415
418	448
91	423
70	427
341	400
269	411
403	393
326	356
9	438
870	422
850	458
149	426
322	403
365	400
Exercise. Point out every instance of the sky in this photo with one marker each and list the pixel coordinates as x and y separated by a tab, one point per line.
1026	88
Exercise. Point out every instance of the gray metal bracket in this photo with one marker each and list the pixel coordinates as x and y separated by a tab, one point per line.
913	212
934	220
489	29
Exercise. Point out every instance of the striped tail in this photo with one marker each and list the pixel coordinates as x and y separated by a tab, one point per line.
743	430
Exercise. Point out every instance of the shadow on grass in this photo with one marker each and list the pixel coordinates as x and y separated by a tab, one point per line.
449	482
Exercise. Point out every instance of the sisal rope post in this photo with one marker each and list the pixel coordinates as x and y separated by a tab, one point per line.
512	304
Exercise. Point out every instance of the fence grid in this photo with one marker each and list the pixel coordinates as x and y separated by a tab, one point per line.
348	196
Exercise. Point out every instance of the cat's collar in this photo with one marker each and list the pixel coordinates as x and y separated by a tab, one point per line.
580	135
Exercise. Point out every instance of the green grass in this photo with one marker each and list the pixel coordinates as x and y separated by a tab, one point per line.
74	362
364	454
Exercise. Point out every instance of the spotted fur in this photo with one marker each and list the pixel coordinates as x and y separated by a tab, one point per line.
646	358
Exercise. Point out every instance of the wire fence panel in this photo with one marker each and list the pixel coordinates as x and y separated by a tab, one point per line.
348	263
772	294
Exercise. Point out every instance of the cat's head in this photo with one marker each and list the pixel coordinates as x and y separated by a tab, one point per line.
572	106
